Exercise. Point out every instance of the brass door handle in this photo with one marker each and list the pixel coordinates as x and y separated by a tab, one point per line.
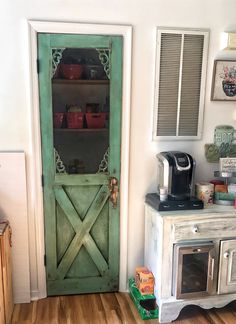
114	190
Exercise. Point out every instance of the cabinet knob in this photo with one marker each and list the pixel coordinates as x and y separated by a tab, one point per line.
226	255
195	229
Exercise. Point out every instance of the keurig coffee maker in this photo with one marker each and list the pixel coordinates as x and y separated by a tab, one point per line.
176	182
175	173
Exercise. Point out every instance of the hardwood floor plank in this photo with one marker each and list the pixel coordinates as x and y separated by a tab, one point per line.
16	312
67	309
25	312
193	315
47	310
108	308
225	316
128	316
112	309
77	308
213	317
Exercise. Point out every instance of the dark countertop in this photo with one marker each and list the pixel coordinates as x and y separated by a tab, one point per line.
151	200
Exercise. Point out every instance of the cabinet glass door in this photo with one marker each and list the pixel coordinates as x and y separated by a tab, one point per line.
194	269
194	273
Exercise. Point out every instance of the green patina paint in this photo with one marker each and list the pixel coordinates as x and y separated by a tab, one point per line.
81	226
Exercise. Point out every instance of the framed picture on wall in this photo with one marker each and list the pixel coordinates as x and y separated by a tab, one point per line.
224	81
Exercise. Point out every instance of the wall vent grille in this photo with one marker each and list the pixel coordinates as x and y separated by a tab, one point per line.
180	84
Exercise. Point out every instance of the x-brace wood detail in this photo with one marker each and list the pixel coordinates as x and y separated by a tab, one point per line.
82	229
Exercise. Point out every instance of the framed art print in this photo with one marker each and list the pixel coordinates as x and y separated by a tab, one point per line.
224	81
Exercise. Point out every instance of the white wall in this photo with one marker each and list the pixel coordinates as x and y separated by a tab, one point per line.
144	15
13	207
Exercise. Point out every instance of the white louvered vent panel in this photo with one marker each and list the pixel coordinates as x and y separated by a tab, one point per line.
168	84
191	84
180	83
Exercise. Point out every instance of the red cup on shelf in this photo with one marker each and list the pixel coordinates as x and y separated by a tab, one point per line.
72	71
95	120
75	119
58	119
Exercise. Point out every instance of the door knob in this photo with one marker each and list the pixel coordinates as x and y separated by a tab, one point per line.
195	229
226	255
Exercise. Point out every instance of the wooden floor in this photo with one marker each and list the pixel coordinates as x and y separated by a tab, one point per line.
109	308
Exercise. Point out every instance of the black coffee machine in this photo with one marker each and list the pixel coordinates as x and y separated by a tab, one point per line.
176	173
176	176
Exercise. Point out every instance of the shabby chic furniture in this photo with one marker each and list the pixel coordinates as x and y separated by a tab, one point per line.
169	236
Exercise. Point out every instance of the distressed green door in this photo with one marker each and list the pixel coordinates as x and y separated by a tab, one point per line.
81	161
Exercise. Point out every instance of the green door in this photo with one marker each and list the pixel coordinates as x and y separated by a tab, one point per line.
80	87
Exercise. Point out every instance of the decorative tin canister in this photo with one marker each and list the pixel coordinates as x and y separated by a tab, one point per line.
205	192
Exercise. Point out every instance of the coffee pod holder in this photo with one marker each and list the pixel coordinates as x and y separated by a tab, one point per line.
224	198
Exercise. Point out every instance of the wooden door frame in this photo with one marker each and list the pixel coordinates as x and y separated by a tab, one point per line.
35	193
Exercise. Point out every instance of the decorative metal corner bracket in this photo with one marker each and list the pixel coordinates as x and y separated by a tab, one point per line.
104	57
103	166
56	58
60	167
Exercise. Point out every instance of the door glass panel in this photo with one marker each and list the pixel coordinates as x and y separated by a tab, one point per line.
80	101
194	272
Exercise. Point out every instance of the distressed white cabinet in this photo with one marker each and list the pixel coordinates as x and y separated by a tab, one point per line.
165	232
227	267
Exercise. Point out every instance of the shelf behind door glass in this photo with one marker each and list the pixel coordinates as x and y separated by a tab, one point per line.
80	111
